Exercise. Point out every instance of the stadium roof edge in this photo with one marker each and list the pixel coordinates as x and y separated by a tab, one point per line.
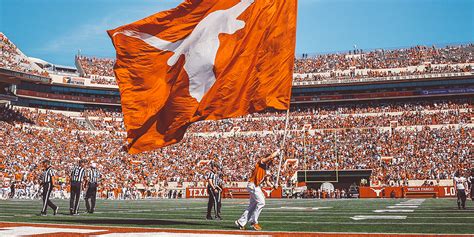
39	61
45	63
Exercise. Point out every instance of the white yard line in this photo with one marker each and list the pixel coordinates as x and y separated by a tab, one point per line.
410	204
392	210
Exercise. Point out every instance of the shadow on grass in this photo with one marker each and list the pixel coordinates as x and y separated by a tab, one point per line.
144	222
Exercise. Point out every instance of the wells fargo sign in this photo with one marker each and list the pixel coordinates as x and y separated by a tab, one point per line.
399	192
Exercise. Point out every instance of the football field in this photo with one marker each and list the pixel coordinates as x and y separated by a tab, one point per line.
280	215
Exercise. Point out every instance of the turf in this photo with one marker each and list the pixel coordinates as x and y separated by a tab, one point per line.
432	216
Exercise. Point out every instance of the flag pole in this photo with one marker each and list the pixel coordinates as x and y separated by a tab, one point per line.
282	145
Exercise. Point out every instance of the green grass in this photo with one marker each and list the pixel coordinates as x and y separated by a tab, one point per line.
432	216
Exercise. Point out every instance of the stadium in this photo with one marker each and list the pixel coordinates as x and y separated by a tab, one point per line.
372	142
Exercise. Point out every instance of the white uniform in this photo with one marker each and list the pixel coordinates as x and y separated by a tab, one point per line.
459	182
461	191
257	198
257	202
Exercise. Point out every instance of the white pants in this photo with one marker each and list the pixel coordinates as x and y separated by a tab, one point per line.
257	202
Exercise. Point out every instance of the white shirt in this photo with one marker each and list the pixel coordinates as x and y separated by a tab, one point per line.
459	182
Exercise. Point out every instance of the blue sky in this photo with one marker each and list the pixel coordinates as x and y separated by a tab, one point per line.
55	30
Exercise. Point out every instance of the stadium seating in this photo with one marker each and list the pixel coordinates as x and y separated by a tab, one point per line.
12	58
419	60
386	59
96	67
427	138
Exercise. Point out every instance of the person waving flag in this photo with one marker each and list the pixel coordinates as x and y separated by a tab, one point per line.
203	60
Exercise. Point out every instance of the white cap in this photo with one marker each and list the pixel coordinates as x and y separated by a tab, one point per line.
93	165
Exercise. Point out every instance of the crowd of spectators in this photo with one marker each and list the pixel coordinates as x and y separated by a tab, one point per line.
102	113
323	117
41	118
394	156
106	120
352	75
337	121
12	59
361	107
344	66
108	125
349	116
427	153
93	66
384	59
103	81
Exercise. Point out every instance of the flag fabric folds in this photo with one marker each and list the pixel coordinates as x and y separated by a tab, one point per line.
203	60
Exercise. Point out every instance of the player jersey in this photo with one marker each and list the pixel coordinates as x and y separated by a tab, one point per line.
258	174
459	182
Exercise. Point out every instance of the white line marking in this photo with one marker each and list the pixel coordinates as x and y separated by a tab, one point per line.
413	201
393	207
393	210
318	208
357	218
31	230
173	234
300	208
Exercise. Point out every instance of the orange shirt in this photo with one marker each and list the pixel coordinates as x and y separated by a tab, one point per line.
18	176
258	174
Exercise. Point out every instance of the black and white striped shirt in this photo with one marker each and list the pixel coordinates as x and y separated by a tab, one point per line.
212	176
219	182
93	175
48	175
78	174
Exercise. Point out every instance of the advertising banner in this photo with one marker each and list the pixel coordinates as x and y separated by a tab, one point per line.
232	193
399	192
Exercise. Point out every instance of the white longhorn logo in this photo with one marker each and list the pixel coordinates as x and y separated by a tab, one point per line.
268	192
377	191
200	47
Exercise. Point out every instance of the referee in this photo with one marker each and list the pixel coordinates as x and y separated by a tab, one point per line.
470	182
47	183
77	176
93	176
212	190
220	188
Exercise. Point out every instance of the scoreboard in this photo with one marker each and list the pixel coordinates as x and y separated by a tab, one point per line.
339	178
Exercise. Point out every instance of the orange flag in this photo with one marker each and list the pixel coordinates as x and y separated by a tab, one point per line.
203	60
